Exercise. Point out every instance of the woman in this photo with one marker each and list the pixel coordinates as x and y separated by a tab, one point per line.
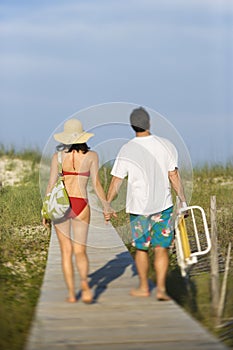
78	164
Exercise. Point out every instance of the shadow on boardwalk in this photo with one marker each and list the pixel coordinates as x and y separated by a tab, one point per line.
112	270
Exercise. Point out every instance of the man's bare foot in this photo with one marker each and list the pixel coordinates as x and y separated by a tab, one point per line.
71	300
162	296
87	296
137	292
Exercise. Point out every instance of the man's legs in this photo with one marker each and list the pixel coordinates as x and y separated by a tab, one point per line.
140	234
142	265
161	263
161	239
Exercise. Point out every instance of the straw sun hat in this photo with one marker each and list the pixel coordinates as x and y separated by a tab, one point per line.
73	133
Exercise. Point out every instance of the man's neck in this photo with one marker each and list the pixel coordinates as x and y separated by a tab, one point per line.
143	133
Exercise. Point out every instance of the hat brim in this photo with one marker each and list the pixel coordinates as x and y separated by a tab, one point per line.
71	139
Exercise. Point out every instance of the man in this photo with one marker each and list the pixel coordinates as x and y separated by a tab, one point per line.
150	162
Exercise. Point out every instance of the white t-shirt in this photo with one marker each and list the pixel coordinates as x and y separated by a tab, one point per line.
146	161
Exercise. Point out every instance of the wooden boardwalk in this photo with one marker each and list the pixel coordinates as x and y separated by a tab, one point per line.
115	320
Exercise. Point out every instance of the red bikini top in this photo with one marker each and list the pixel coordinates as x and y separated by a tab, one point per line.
86	173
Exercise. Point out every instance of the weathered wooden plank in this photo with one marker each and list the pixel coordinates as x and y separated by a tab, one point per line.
115	320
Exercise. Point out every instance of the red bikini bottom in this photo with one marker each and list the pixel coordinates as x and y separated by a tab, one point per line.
77	206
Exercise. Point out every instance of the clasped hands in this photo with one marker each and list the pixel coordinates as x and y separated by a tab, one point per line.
108	212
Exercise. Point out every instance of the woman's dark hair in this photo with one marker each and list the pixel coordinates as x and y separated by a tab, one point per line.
77	147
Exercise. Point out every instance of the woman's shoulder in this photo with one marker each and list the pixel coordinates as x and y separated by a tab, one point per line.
92	154
58	155
55	156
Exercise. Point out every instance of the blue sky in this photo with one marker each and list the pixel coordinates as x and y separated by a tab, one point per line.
172	56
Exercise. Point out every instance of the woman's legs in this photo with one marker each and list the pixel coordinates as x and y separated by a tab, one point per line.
82	266
76	245
63	234
80	230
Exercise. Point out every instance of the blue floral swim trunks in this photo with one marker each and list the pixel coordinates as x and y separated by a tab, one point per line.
152	230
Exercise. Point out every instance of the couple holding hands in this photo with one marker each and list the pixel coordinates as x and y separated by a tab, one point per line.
150	164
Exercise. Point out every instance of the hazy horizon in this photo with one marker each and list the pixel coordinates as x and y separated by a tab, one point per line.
172	56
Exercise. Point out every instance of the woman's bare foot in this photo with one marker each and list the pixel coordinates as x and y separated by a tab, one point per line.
87	296
162	296
138	292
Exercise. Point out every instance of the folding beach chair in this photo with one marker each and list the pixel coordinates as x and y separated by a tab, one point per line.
191	242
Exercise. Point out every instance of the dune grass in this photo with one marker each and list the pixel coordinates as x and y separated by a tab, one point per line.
23	254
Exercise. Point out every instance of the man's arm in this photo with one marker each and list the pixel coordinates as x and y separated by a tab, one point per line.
112	192
176	183
114	188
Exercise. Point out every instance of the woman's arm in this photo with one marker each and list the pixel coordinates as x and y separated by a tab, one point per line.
94	170
53	173
52	181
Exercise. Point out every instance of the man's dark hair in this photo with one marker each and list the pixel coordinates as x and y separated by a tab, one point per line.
140	120
137	128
